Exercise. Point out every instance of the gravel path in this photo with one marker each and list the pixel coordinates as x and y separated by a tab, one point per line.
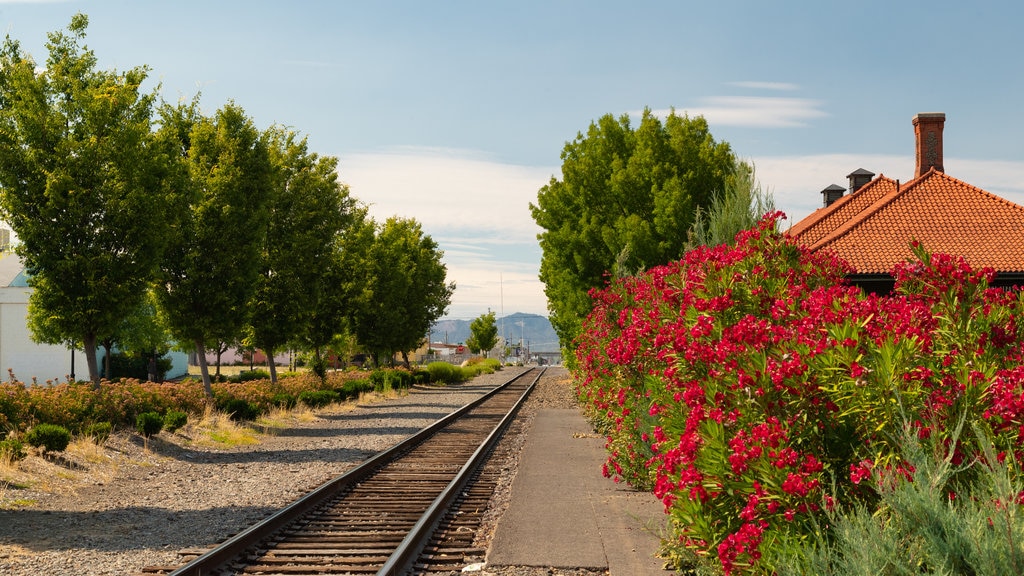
142	507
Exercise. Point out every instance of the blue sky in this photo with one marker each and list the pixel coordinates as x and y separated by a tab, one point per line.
455	113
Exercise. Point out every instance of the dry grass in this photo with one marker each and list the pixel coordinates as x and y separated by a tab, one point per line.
216	429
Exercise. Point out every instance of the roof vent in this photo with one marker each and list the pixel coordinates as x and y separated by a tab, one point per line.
928	137
859	178
833	193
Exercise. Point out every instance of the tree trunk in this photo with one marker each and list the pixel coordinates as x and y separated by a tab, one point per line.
405	360
204	368
89	346
271	366
219	352
107	345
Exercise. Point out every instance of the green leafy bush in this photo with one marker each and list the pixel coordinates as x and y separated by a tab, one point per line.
351	389
283	400
98	431
927	523
49	437
249	375
136	366
477	366
318	398
445	373
12	450
174	419
149	424
241	410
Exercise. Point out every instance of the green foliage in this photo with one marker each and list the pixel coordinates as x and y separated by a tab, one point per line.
926	524
225	177
77	153
174	419
483	334
403	289
149	424
124	365
249	375
351	389
477	366
240	410
736	208
301	292
11	450
445	373
98	431
49	437
318	398
625	202
385	379
283	400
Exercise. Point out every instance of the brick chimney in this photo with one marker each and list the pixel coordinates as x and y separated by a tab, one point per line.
928	136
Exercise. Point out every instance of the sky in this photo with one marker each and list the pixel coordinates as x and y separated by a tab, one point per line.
455	112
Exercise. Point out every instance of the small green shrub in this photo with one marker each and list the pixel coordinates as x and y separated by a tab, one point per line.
318	398
249	375
351	389
49	437
283	400
12	450
445	373
98	431
174	419
149	424
421	376
241	410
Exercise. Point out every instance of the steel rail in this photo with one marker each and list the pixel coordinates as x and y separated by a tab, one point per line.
402	559
235	546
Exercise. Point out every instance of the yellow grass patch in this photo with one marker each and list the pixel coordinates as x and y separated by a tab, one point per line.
216	429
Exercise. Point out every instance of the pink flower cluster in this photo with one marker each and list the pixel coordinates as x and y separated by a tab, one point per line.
738	382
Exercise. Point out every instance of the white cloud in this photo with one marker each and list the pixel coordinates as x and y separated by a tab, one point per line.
478	212
756	111
786	86
448	190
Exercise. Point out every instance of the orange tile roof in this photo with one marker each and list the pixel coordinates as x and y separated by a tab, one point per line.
943	213
823	221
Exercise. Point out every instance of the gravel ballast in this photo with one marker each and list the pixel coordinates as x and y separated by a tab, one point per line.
144	506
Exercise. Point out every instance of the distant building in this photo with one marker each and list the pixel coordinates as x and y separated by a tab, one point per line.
18	353
872	227
27	359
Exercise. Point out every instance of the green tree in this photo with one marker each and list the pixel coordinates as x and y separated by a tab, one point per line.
738	207
329	320
82	186
403	290
483	334
213	262
299	282
626	201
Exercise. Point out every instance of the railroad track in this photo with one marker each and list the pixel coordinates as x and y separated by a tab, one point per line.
382	517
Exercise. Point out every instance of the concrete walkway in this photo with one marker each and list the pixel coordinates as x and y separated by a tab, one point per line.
565	514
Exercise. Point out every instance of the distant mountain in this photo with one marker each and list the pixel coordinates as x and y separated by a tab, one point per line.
534	329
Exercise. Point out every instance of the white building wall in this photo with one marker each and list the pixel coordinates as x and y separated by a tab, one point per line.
19	353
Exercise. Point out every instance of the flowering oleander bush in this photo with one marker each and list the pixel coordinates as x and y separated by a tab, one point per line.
749	387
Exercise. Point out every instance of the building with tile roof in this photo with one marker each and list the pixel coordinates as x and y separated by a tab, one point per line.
872	226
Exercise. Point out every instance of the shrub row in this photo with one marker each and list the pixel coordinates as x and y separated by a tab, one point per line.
78	405
756	393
